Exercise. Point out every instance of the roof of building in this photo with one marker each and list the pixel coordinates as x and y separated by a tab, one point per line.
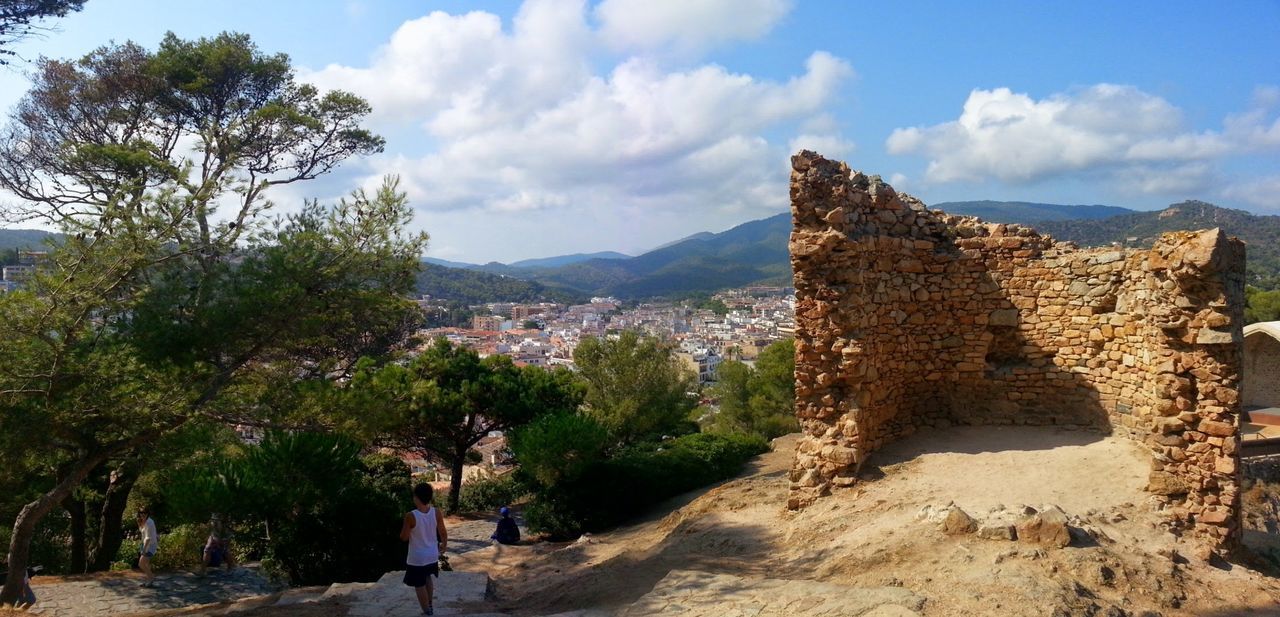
1270	328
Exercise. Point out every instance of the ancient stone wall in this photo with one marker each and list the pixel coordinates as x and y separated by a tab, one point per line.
909	317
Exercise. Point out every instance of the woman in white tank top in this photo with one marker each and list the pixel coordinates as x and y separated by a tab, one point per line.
424	530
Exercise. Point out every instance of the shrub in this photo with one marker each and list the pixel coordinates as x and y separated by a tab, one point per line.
181	549
489	494
616	489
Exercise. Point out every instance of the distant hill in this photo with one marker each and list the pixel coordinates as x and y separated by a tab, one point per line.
474	287
515	267
11	239
1260	232
564	260
702	235
753	252
1026	212
449	264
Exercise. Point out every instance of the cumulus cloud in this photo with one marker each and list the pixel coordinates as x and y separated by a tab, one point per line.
1137	141
517	121
683	24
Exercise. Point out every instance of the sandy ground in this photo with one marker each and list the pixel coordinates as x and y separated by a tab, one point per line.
870	536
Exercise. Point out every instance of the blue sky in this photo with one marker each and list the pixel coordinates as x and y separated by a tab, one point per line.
526	129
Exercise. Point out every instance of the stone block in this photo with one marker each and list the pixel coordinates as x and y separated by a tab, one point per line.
1047	527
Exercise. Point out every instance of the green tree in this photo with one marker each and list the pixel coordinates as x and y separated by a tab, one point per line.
302	486
636	387
446	399
759	401
1261	305
18	20
174	295
558	447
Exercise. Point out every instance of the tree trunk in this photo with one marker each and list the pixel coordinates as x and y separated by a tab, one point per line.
455	480
75	507
111	517
24	527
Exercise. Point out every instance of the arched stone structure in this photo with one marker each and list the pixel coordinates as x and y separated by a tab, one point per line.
1262	365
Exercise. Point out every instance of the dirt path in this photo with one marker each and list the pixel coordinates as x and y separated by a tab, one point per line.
118	594
871	536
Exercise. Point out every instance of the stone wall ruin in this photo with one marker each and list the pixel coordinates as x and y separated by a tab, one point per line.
910	318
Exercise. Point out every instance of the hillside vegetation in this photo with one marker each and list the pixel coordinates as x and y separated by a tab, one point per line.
474	287
13	240
1260	232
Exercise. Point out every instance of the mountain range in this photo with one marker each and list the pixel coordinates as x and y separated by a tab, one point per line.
756	253
1026	212
753	252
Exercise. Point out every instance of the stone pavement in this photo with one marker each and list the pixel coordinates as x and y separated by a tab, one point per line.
390	597
467	536
113	595
702	594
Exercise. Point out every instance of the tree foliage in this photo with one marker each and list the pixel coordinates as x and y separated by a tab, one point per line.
445	400
19	18
759	401
1261	305
301	487
636	387
173	296
594	491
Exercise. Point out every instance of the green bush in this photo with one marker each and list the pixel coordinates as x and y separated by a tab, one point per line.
489	494
182	548
332	515
636	478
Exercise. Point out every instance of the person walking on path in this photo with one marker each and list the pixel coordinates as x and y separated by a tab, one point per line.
217	549
425	532
507	532
150	544
28	598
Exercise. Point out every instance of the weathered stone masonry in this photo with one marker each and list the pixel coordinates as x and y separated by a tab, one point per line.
909	317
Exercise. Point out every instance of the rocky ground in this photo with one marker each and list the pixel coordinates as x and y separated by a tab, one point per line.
925	533
887	533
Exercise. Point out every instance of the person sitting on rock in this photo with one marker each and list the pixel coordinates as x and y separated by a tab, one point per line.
507	532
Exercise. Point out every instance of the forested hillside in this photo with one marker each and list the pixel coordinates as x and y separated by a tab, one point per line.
1260	232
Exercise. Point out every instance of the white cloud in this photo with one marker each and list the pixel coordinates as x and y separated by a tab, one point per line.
685	25
1136	141
518	122
1262	193
830	146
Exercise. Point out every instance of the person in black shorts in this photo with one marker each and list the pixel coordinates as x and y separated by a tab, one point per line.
424	530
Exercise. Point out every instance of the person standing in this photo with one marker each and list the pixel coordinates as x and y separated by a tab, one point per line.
217	548
425	532
150	544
